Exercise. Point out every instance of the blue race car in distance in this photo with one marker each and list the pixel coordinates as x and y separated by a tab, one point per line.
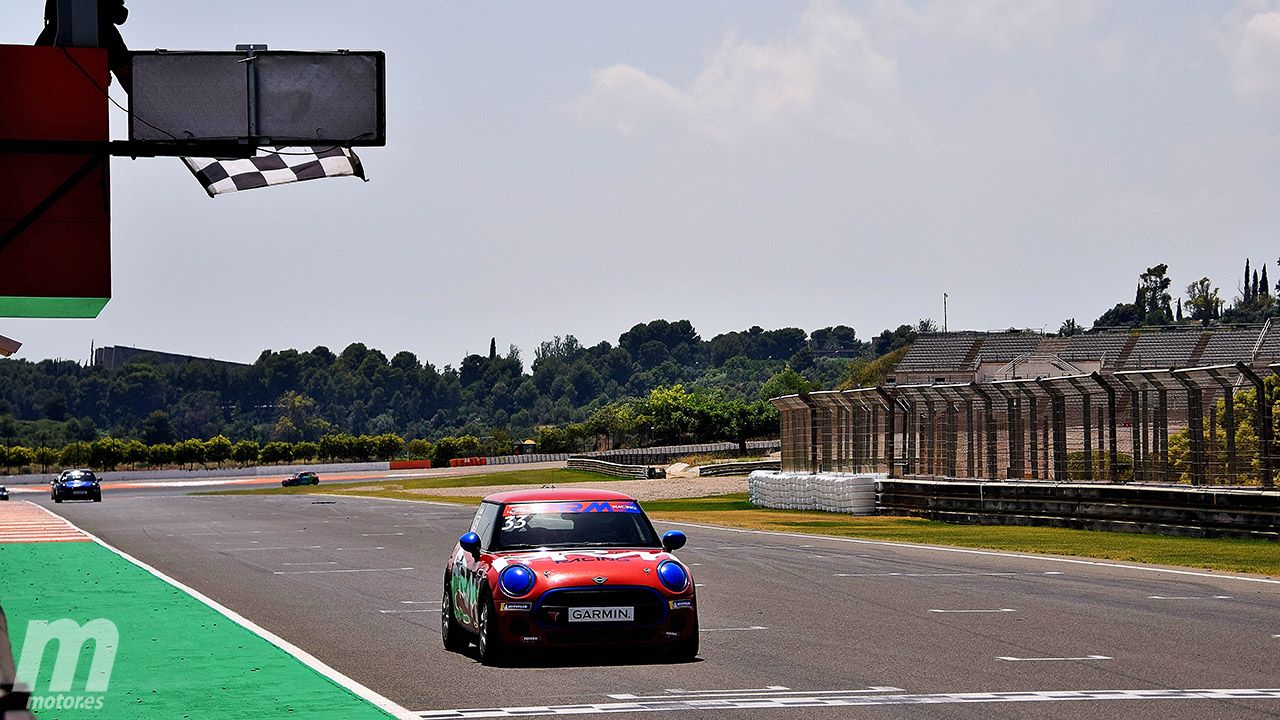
76	485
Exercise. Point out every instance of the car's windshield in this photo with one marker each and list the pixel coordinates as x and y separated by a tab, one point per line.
574	524
80	476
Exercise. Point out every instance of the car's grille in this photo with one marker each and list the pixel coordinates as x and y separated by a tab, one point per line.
552	609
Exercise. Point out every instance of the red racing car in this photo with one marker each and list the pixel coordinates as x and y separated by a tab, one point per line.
564	567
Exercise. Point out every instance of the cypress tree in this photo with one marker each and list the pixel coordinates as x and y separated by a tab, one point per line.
1265	287
493	348
1254	294
1247	295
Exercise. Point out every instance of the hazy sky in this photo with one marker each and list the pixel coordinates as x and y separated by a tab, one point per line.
578	167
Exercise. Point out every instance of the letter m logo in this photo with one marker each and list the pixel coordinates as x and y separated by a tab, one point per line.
71	637
599	507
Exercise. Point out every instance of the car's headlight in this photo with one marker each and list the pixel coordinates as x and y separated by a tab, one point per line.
516	580
673	575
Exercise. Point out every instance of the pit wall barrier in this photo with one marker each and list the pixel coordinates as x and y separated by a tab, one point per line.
1165	510
830	492
738	468
635	472
181	474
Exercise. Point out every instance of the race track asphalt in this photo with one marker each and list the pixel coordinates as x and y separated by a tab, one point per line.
913	631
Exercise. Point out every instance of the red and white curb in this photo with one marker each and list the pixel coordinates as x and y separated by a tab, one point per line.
24	522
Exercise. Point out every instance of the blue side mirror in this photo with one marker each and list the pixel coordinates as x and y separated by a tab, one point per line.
471	543
673	540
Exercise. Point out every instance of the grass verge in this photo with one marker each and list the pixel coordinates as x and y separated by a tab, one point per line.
419	488
1227	554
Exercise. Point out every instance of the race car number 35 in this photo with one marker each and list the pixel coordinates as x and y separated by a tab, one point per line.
602	614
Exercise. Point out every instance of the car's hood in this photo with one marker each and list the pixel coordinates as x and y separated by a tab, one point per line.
568	568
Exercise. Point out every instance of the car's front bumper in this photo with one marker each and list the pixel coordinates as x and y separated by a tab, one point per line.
542	622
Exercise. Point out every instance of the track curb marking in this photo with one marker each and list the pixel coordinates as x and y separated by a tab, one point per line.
302	656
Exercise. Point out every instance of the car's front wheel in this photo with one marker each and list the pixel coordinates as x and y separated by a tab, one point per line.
685	650
493	651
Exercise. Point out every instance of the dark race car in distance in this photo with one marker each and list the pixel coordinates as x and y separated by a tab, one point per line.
76	485
558	568
302	478
4	493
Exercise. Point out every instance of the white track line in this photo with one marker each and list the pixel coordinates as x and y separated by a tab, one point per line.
1188	597
773	691
964	612
676	705
356	570
734	629
298	653
987	553
1055	659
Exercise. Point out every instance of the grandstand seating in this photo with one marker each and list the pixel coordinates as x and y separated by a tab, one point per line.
940	351
1104	346
1270	350
1162	350
1008	346
1229	346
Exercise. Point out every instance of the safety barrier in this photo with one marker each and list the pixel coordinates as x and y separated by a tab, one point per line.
637	472
738	468
848	494
1196	512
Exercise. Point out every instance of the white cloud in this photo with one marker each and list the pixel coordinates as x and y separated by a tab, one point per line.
1251	41
824	73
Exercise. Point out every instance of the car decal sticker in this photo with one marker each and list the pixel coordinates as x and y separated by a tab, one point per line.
618	506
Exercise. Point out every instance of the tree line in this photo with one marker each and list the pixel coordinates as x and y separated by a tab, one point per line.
565	398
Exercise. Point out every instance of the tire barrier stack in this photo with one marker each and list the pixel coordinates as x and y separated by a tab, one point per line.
829	492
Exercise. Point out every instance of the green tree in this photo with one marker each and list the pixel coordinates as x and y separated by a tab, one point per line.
106	453
275	452
1069	327
245	452
306	451
387	446
19	457
160	454
1203	300
785	382
188	452
217	449
418	449
135	453
46	457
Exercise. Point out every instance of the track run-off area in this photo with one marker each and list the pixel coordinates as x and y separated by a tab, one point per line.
262	606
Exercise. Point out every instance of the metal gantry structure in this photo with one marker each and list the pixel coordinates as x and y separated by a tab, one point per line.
1211	425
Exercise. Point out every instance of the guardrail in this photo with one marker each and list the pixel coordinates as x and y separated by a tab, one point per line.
637	472
738	468
1196	512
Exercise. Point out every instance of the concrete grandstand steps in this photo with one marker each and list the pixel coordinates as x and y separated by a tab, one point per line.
1052	346
971	357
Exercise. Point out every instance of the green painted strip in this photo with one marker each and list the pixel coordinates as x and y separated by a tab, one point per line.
177	657
51	307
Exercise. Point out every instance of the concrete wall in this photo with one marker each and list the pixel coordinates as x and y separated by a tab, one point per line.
638	472
1197	512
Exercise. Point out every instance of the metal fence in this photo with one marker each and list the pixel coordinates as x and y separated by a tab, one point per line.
1209	425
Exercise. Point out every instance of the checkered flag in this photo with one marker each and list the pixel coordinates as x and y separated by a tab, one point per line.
272	167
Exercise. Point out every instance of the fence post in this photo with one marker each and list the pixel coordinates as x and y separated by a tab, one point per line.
1113	452
1264	424
890	430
